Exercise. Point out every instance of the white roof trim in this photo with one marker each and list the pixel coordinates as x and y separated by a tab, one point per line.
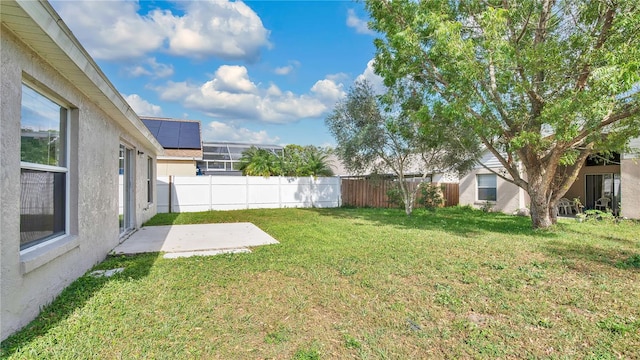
46	27
184	158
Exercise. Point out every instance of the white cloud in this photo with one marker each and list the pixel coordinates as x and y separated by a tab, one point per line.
376	82
231	94
328	90
175	91
151	67
274	90
339	77
286	70
353	21
219	131
141	106
160	70
230	30
138	71
114	29
233	79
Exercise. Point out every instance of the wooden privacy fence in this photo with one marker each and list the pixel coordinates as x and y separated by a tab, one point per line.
373	193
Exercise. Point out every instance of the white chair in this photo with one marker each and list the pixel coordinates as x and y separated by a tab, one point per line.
602	203
565	206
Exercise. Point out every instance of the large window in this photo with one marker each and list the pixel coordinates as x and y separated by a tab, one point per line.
43	179
487	187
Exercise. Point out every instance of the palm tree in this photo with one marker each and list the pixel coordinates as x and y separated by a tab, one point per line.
260	162
297	161
317	162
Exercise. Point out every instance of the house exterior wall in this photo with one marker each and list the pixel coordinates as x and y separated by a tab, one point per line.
176	167
191	154
577	190
509	197
32	279
630	187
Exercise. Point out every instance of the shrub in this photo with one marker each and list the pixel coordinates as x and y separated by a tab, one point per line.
431	196
598	215
394	196
487	207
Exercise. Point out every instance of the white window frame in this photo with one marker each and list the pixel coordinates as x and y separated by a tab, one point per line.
66	122
478	187
150	175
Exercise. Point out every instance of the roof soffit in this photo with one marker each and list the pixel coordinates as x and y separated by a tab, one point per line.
41	28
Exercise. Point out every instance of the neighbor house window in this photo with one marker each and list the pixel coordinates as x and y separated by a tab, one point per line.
486	187
149	179
44	168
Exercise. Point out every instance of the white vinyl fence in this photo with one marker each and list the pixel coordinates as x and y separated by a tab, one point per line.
202	193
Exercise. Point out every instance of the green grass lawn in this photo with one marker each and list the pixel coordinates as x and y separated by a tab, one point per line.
364	284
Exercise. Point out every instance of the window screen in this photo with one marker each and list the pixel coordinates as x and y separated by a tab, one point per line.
487	190
43	175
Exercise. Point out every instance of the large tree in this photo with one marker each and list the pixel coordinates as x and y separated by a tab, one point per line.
389	134
542	83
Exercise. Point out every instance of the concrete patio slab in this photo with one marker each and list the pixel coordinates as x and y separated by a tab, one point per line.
176	255
194	238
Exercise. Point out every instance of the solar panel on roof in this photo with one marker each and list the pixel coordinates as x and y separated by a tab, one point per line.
189	135
153	126
169	134
175	134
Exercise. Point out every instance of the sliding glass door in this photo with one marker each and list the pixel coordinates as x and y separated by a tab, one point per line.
125	176
598	186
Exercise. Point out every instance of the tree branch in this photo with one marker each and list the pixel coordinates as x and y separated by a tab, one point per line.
602	37
510	167
609	119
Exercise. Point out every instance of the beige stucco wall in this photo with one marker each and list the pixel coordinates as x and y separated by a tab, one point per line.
577	190
33	279
176	167
630	188
509	197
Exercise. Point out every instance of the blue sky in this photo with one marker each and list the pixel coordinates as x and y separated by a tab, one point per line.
255	71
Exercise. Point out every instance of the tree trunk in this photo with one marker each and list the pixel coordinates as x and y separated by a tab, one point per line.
406	195
408	208
540	209
409	195
542	204
553	212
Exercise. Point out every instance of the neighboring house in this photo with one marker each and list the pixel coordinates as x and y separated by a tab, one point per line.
617	179
481	187
76	163
412	172
630	178
337	166
223	158
181	142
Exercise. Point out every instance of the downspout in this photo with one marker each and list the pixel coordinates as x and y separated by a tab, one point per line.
170	195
